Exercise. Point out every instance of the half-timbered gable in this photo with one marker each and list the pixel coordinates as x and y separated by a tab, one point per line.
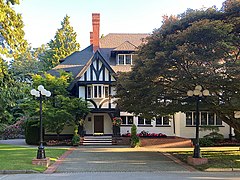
96	84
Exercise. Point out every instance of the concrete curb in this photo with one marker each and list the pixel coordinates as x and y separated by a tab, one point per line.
222	170
18	171
186	166
51	169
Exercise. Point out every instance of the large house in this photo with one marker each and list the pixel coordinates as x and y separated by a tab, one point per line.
94	70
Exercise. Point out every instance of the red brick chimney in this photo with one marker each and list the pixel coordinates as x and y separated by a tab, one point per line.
91	37
95	33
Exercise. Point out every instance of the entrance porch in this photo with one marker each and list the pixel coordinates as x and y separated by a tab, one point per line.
98	124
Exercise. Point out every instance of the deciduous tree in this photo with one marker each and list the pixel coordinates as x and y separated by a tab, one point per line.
199	47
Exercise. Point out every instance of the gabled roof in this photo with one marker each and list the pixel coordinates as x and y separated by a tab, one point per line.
113	40
97	55
126	46
74	63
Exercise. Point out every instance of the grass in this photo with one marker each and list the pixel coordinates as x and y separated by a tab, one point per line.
20	158
217	158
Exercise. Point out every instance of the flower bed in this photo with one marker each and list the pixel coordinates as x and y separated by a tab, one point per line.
146	134
67	142
227	142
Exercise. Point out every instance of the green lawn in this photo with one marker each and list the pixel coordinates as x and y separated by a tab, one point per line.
20	158
216	158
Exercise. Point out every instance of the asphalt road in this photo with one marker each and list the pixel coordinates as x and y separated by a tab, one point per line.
115	159
127	176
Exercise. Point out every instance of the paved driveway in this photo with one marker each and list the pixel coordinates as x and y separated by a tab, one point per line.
115	159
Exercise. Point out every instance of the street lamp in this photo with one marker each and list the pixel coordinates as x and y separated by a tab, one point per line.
198	92
39	93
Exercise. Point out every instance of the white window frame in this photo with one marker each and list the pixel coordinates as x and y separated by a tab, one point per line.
162	121
144	121
193	123
127	118
124	59
100	91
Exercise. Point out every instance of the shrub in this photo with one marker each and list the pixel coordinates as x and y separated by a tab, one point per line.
135	142
32	132
75	140
205	142
2	128
237	135
215	136
14	131
76	137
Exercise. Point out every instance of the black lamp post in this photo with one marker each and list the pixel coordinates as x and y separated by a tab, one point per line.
197	93
39	94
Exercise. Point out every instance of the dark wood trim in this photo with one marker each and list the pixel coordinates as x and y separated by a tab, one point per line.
109	104
103	71
93	102
109	77
93	82
85	76
96	110
97	64
85	92
91	72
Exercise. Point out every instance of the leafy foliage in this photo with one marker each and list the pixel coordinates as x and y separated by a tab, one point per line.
198	47
60	109
12	41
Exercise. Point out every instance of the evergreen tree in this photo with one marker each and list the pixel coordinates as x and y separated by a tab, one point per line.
63	44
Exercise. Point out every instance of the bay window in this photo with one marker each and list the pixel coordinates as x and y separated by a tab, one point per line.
97	91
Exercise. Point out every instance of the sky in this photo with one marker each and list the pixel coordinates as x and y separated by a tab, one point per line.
42	18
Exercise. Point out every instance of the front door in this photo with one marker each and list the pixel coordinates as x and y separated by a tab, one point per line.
98	124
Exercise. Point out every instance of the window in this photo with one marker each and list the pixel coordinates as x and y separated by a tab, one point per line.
142	121
163	121
127	120
128	59
189	117
205	119
89	92
97	91
121	59
125	59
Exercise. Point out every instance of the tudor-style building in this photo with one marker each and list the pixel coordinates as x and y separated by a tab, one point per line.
94	71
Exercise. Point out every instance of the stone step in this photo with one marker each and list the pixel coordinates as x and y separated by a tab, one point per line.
97	140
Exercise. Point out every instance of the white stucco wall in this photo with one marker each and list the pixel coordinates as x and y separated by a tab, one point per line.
190	132
181	130
168	130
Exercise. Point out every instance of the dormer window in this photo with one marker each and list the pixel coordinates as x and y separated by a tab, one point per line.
124	59
97	91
